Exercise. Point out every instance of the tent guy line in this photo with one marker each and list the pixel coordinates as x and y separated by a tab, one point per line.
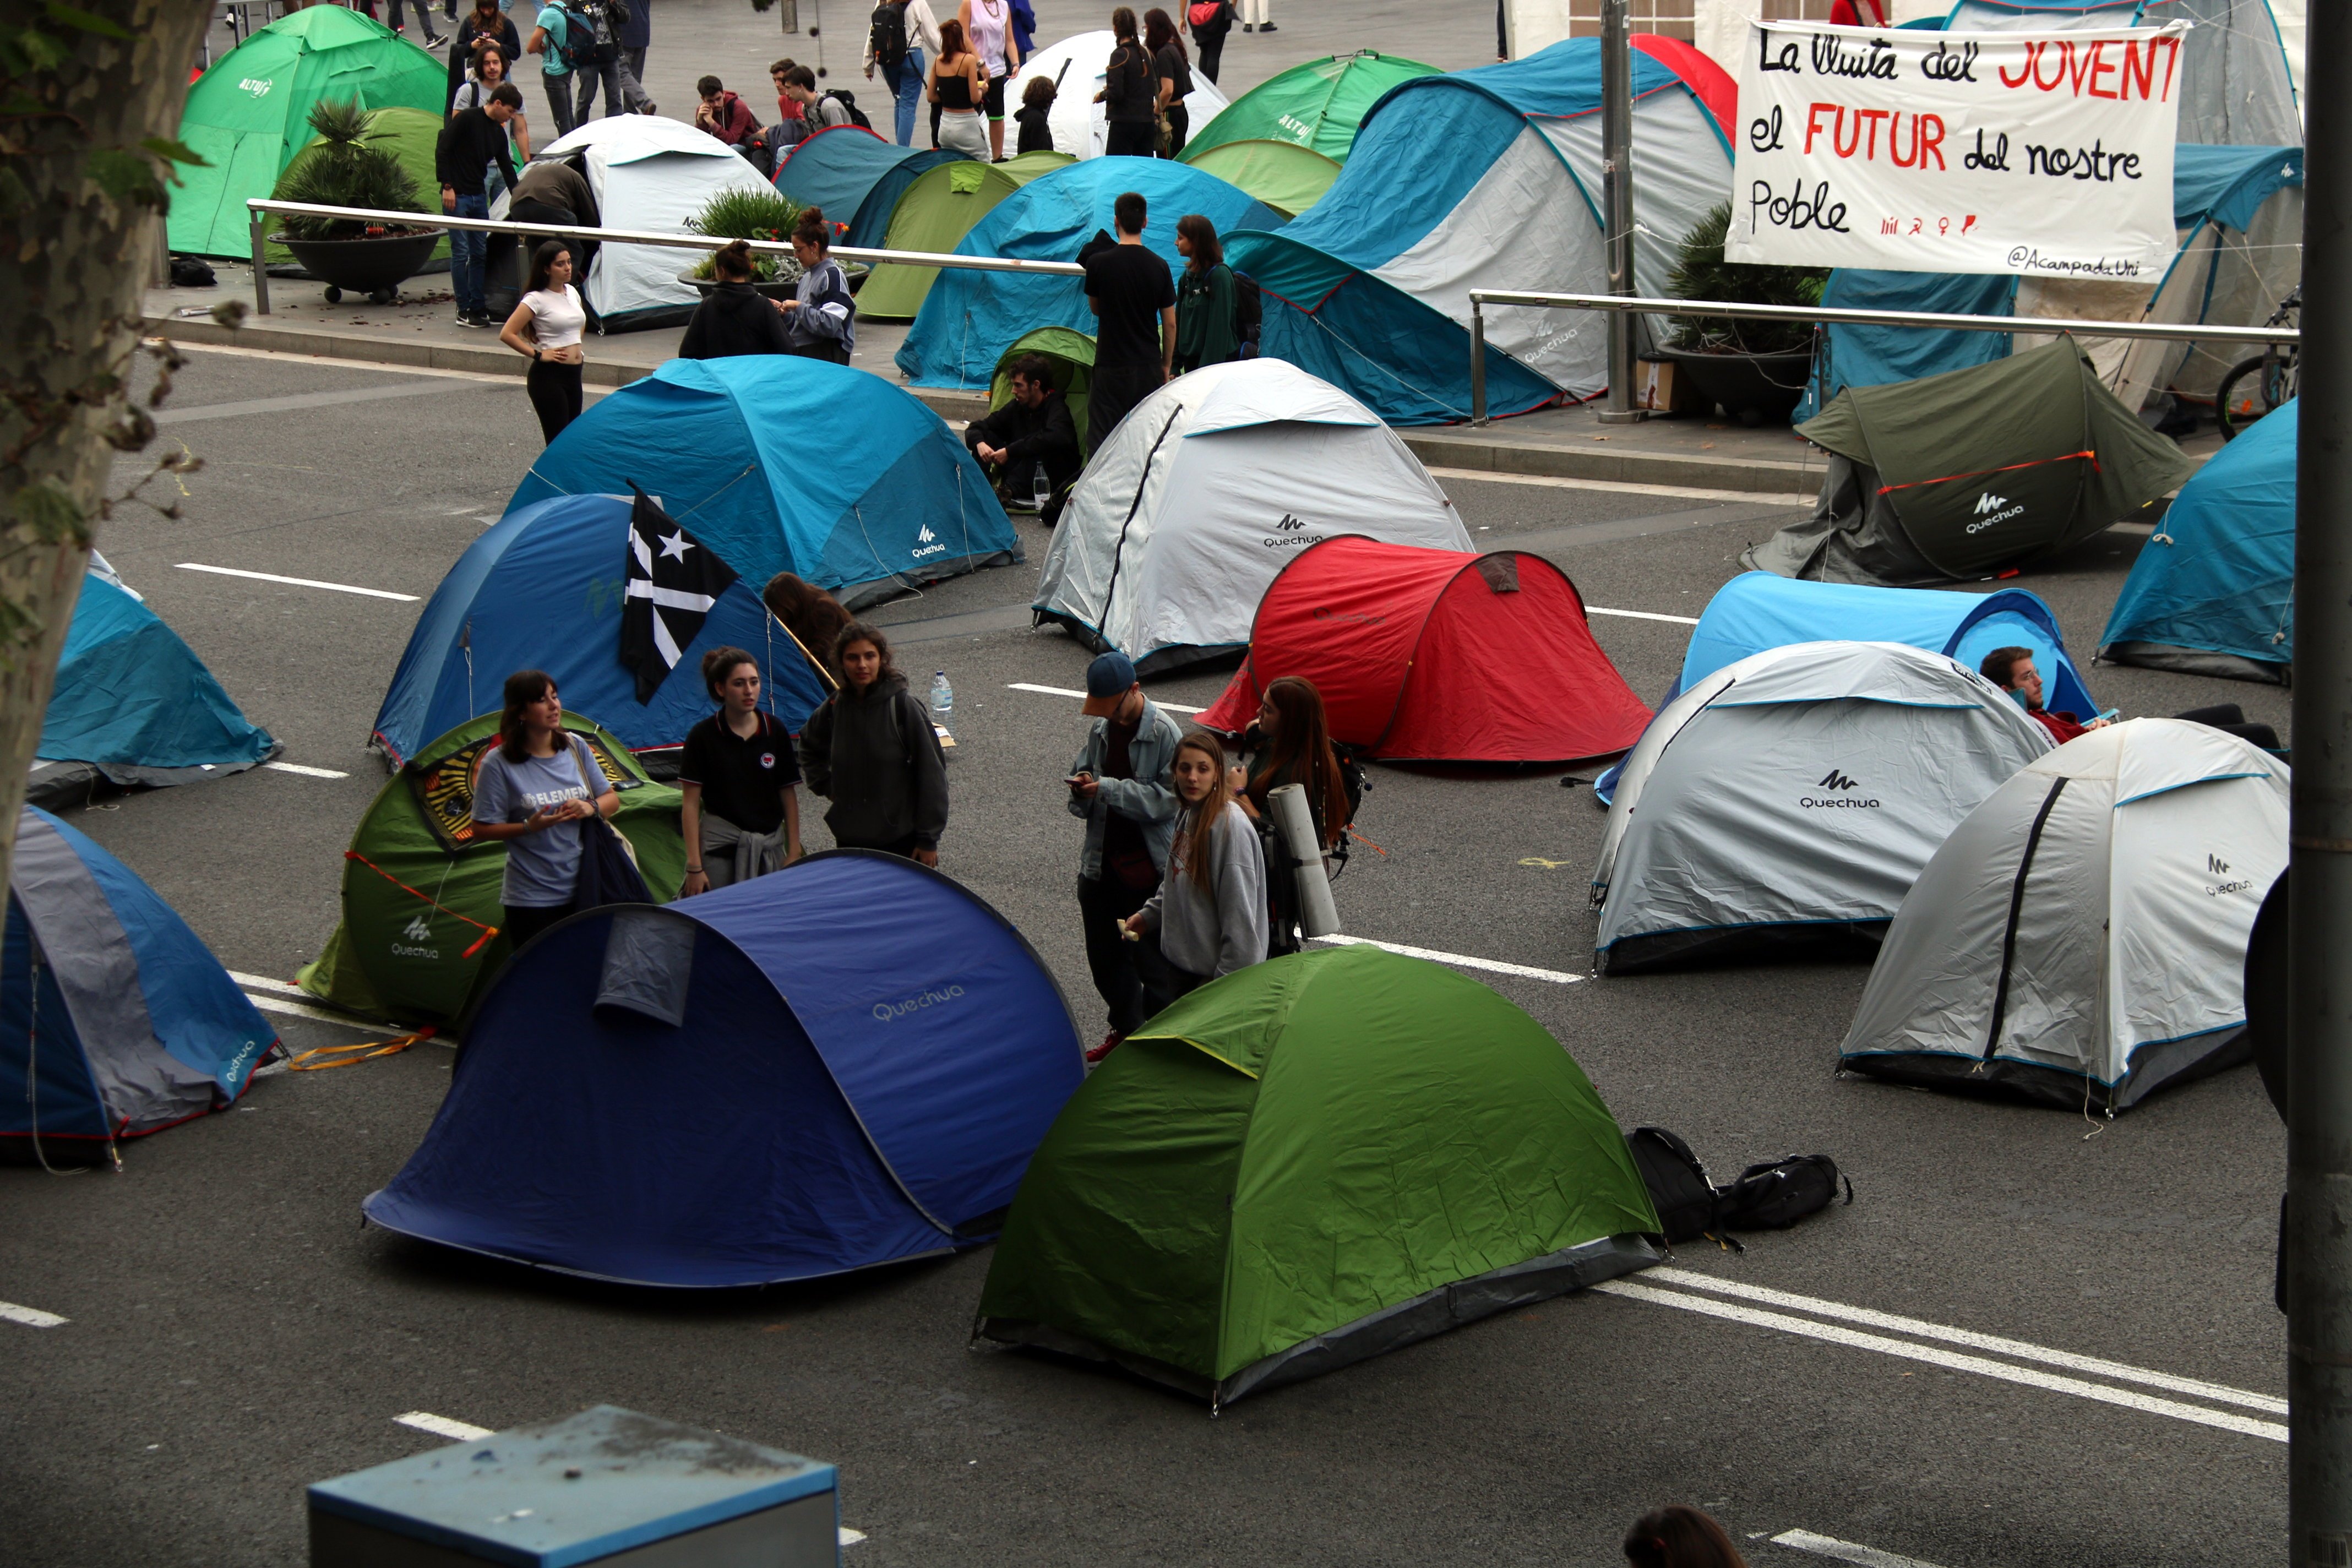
31	1316
299	582
1845	1551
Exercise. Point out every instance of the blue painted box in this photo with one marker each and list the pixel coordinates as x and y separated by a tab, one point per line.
607	1486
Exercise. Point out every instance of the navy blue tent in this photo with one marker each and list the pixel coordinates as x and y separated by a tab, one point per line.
845	1063
856	176
542	590
114	1019
2213	589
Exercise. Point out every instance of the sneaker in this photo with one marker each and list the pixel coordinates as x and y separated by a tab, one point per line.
1267	28
1110	1043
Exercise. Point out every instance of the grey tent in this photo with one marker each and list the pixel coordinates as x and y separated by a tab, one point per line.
1787	800
2081	938
1960	475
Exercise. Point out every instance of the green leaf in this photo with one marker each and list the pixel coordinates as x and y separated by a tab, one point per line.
172	151
72	16
41	52
124	174
49	512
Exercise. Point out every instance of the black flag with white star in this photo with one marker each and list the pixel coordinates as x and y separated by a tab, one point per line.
673	582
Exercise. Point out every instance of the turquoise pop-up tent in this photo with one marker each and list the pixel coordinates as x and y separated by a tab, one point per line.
856	177
2213	589
785	464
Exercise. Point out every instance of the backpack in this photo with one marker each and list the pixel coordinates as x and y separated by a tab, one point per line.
579	45
1203	13
849	101
1249	308
889	35
1683	1197
1778	1193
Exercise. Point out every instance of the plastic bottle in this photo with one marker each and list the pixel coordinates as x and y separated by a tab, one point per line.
1043	489
942	701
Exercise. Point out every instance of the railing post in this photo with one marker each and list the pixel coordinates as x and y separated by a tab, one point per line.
1617	200
260	264
1478	361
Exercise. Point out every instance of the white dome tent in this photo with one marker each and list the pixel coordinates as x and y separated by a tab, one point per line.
2081	938
1207	489
1075	65
1788	800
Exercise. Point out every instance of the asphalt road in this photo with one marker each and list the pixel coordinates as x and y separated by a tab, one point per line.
233	1334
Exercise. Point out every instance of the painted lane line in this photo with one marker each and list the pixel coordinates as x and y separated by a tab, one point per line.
253	406
442	1427
307	773
269	1003
2220	1393
299	582
1642	616
1844	1551
31	1316
1622	487
845	1536
1066	691
1460	961
2000	1371
264	982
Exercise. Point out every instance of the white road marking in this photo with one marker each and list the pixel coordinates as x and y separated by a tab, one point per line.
299	582
306	773
328	362
1066	691
845	1536
1642	616
1845	1551
1624	487
268	1003
1460	961
2001	1370
442	1427
31	1316
2220	1392
263	982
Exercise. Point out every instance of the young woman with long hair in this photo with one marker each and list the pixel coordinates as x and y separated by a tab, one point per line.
871	751
734	317
546	327
1210	911
741	815
534	792
1206	330
958	88
1292	745
820	319
1131	93
1172	69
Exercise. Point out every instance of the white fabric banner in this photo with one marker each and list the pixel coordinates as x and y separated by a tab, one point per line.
2042	154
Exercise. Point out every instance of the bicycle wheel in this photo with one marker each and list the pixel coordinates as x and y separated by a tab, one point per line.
2240	401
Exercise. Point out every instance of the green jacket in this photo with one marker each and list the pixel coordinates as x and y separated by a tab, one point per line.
1205	333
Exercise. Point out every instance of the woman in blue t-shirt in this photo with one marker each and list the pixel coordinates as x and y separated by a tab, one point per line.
530	791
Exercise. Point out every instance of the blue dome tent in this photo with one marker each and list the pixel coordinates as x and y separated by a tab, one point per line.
746	1087
857	177
1759	610
114	1019
1487	178
542	590
2213	589
785	464
970	319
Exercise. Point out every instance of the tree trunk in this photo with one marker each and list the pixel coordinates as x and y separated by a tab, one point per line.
79	198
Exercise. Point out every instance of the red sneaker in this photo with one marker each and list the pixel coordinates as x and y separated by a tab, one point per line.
1110	1044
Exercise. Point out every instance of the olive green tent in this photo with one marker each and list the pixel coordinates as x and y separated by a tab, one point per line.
412	134
1318	104
421	887
1071	353
250	115
1283	175
1963	474
1307	1163
934	214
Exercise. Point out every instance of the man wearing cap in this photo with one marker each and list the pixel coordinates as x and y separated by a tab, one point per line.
1123	784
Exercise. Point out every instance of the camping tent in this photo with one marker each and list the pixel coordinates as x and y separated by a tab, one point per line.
1072	356
1194	504
971	318
1307	1163
134	702
937	210
115	1018
412	135
1788	800
540	589
1316	104
785	464
250	115
2080	938
1075	66
1437	656
1284	175
2212	591
858	176
649	174
746	1088
1487	179
421	887
1965	473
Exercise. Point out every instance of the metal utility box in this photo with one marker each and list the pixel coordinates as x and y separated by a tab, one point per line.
607	1486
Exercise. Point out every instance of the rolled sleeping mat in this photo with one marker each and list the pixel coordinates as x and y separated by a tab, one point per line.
1317	915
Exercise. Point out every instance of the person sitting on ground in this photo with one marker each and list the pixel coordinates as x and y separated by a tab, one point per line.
1210	911
1290	744
735	318
820	319
1033	431
822	112
813	616
1677	1536
2011	670
1035	116
740	815
871	751
725	115
792	126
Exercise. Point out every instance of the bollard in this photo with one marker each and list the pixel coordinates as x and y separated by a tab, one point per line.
1477	363
260	267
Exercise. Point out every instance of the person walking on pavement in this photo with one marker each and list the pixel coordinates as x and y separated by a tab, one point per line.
1131	93
987	24
871	751
603	66
741	813
469	144
1210	911
1123	784
903	36
636	36
1210	21
1206	328
546	326
1258	16
1134	301
482	26
546	41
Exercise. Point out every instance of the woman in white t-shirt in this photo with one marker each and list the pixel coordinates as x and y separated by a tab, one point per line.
546	326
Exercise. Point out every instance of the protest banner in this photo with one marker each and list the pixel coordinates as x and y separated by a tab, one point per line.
2041	154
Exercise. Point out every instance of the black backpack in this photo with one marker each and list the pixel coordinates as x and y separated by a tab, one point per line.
579	37
1249	308
849	101
1778	1193
889	35
1679	1190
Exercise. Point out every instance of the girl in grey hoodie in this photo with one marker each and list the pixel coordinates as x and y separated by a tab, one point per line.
1210	911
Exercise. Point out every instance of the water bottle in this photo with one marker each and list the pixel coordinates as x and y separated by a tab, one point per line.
942	701
1041	488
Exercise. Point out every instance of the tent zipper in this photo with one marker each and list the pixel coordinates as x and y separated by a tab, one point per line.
2016	904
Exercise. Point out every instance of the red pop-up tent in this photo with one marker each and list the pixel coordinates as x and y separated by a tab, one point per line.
1437	656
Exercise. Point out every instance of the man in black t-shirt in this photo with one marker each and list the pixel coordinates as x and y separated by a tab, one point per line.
1134	297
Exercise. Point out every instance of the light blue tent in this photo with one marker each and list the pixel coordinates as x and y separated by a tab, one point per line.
542	590
785	464
857	177
114	1019
2213	589
135	702
970	319
1759	610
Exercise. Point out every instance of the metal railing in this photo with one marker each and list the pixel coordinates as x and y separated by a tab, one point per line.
261	210
1933	321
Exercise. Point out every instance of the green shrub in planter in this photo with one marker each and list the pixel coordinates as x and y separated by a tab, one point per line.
749	215
1701	273
352	169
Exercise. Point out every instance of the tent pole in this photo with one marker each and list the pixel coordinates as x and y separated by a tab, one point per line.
2319	1123
1617	199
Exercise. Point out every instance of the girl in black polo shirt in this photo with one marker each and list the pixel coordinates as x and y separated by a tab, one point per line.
741	814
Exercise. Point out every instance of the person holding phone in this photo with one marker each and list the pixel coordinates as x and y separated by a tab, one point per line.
531	793
1123	784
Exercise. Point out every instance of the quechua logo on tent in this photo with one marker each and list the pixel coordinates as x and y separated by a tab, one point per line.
2220	869
928	541
416	932
1837	787
1993	509
1291	530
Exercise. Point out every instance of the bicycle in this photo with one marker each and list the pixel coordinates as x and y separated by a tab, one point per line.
2275	372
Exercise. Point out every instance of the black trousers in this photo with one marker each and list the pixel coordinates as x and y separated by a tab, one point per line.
1180	125
1117	388
1130	976
522	924
1131	138
1212	49
554	395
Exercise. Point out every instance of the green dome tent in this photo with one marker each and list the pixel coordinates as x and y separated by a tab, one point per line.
421	890
249	115
934	214
1072	354
1286	176
1318	104
411	133
1305	1163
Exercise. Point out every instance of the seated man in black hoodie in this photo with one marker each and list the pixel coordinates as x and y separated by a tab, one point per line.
1033	431
734	317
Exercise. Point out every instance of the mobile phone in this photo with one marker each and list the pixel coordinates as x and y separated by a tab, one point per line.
2111	712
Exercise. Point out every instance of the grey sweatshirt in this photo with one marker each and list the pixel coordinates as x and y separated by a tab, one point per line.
1221	928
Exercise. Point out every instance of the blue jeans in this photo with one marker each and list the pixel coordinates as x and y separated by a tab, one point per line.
910	93
468	247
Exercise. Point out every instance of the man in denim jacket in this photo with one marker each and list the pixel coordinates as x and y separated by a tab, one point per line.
1124	786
